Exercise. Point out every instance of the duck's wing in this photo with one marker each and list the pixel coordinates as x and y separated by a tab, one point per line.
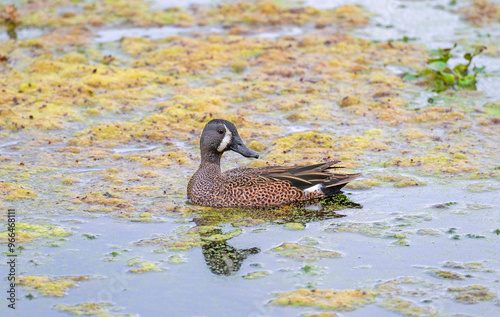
305	177
302	177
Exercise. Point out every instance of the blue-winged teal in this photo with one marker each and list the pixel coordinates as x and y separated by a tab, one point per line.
255	187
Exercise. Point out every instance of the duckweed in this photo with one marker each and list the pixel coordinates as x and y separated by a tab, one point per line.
324	314
51	286
303	253
12	191
342	300
176	259
294	226
363	183
480	12
215	236
470	266
100	309
407	307
142	266
26	233
447	275
471	294
184	241
256	274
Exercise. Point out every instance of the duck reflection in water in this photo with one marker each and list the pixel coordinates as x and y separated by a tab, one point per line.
224	259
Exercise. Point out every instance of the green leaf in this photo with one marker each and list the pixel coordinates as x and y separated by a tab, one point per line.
439	73
441	59
478	70
437	66
461	69
448	78
436	52
466	81
410	77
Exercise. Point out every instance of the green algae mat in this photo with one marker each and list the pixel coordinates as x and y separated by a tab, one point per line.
101	107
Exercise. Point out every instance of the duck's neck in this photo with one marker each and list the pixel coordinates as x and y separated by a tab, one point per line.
211	161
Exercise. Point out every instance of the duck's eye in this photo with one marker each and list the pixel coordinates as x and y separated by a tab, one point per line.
220	131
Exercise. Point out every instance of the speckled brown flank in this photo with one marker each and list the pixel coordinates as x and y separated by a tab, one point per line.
256	187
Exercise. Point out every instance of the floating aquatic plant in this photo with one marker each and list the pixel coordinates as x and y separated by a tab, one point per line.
442	76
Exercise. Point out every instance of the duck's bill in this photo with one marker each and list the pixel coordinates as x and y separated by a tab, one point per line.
243	150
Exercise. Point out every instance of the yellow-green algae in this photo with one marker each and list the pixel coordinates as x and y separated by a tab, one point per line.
176	259
253	13
481	12
90	309
313	146
400	242
387	228
395	179
26	232
80	13
142	266
480	188
323	314
247	222
51	286
429	232
13	191
216	235
472	294
342	300
303	252
185	240
363	183
256	274
391	287
271	13
447	275
407	308
470	266
294	226
77	87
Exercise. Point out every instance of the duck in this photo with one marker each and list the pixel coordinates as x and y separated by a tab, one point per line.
270	186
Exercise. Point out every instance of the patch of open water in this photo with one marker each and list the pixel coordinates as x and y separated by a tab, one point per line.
188	289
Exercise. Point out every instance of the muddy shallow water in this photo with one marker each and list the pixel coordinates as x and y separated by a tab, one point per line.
99	132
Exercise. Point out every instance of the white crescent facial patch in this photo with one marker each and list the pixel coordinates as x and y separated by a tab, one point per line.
225	141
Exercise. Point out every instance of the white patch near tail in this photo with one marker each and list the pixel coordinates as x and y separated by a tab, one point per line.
225	141
313	188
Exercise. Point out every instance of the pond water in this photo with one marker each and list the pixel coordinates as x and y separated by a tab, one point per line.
99	186
368	259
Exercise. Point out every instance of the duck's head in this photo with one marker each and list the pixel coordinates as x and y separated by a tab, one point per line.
220	136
